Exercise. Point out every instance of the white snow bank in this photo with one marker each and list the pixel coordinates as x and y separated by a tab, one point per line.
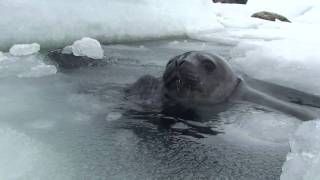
240	26
85	47
311	16
58	23
24	49
290	62
303	162
288	52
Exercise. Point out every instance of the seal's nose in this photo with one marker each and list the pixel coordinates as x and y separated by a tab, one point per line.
181	75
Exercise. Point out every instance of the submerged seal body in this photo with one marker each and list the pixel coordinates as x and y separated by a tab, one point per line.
196	79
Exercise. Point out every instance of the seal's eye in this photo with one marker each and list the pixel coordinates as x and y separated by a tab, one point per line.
208	65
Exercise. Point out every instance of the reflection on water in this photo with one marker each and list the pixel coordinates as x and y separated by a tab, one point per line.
78	125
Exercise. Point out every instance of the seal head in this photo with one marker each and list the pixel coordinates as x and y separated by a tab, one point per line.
198	77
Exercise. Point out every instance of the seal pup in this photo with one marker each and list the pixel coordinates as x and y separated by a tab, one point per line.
195	79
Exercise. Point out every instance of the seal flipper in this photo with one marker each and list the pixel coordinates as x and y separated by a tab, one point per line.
285	93
250	94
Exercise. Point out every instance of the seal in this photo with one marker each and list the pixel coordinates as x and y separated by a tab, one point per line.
195	79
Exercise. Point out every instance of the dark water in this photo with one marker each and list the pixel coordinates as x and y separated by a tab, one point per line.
78	125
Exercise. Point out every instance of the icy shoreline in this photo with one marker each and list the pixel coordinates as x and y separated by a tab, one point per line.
58	23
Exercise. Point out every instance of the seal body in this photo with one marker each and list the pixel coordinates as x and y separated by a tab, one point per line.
231	1
196	79
270	16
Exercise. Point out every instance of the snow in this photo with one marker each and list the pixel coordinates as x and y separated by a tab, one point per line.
303	161
58	23
24	49
86	47
280	65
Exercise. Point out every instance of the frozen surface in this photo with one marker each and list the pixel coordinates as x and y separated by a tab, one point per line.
58	23
24	49
256	125
85	47
33	65
2	56
24	61
303	161
21	154
280	64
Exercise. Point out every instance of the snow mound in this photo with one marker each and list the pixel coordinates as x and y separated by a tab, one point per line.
24	49
303	161
85	47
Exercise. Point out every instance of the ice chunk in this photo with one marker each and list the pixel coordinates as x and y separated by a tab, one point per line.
113	116
39	71
25	66
24	49
303	161
42	124
270	127
67	50
87	47
82	117
2	56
